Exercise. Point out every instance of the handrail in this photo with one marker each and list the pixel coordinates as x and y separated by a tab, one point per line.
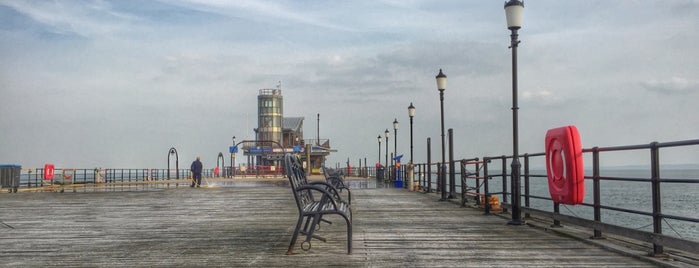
491	169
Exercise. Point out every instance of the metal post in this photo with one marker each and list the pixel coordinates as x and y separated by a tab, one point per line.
395	149
308	159
596	191
233	160
177	162
556	211
655	187
386	168
411	139
379	138
442	179
526	183
516	166
486	194
504	179
429	165
452	175
233	166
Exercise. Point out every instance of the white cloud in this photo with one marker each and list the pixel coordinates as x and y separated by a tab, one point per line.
673	85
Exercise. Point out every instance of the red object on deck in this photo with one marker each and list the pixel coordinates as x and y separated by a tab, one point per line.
564	165
48	171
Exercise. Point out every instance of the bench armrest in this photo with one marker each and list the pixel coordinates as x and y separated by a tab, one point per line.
327	195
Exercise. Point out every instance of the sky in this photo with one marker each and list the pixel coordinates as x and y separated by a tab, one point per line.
116	84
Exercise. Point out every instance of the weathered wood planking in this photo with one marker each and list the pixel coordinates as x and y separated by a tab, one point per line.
252	226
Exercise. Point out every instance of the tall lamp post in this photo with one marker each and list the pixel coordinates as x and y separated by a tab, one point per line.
379	138
411	168
395	146
233	160
170	152
386	171
411	114
441	86
513	13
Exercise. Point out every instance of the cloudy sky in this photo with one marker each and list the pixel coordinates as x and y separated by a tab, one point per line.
115	84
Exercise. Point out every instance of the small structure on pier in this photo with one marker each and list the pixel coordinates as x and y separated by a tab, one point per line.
276	135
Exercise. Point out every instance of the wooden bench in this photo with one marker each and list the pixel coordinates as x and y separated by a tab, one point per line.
314	200
336	179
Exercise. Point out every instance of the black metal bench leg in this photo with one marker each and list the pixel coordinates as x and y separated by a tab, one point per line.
309	235
305	229
295	236
349	236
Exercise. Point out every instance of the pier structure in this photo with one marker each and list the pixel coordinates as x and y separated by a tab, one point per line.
276	135
143	218
234	227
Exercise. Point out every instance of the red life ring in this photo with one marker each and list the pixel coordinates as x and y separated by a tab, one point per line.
48	172
564	165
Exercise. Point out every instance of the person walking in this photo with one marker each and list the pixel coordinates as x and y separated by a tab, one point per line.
196	172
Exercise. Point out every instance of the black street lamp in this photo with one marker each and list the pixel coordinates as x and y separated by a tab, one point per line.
173	152
233	160
395	145
411	114
379	138
386	171
441	86
513	13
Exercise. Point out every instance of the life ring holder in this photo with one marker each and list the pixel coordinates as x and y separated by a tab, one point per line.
48	172
564	165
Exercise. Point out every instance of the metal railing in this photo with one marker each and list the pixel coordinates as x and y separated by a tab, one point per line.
490	176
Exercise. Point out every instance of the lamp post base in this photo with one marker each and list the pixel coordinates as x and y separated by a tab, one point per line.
516	222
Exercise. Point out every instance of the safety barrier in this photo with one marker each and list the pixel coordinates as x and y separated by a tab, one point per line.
490	176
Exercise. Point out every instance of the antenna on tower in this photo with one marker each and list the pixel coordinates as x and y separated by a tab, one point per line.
279	86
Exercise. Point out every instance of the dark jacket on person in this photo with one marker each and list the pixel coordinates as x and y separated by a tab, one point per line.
196	167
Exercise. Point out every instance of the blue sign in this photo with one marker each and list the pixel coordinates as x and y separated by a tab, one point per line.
260	150
297	148
233	149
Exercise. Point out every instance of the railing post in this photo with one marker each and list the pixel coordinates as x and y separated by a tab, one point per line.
452	176
478	174
429	165
556	211
486	198
420	178
503	169
596	191
526	183
655	187
440	182
462	163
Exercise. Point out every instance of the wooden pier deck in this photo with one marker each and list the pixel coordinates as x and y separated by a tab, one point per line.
252	226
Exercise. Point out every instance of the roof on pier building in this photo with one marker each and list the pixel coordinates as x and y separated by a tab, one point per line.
292	123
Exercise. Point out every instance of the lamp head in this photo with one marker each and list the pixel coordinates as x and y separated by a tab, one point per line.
441	81
513	13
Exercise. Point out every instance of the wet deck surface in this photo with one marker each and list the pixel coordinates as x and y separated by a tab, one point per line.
252	226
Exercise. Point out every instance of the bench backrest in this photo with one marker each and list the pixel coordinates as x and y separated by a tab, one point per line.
297	178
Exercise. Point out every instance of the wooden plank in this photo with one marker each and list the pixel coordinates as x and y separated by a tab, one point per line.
252	226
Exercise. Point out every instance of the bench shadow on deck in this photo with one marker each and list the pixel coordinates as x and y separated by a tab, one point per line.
252	226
